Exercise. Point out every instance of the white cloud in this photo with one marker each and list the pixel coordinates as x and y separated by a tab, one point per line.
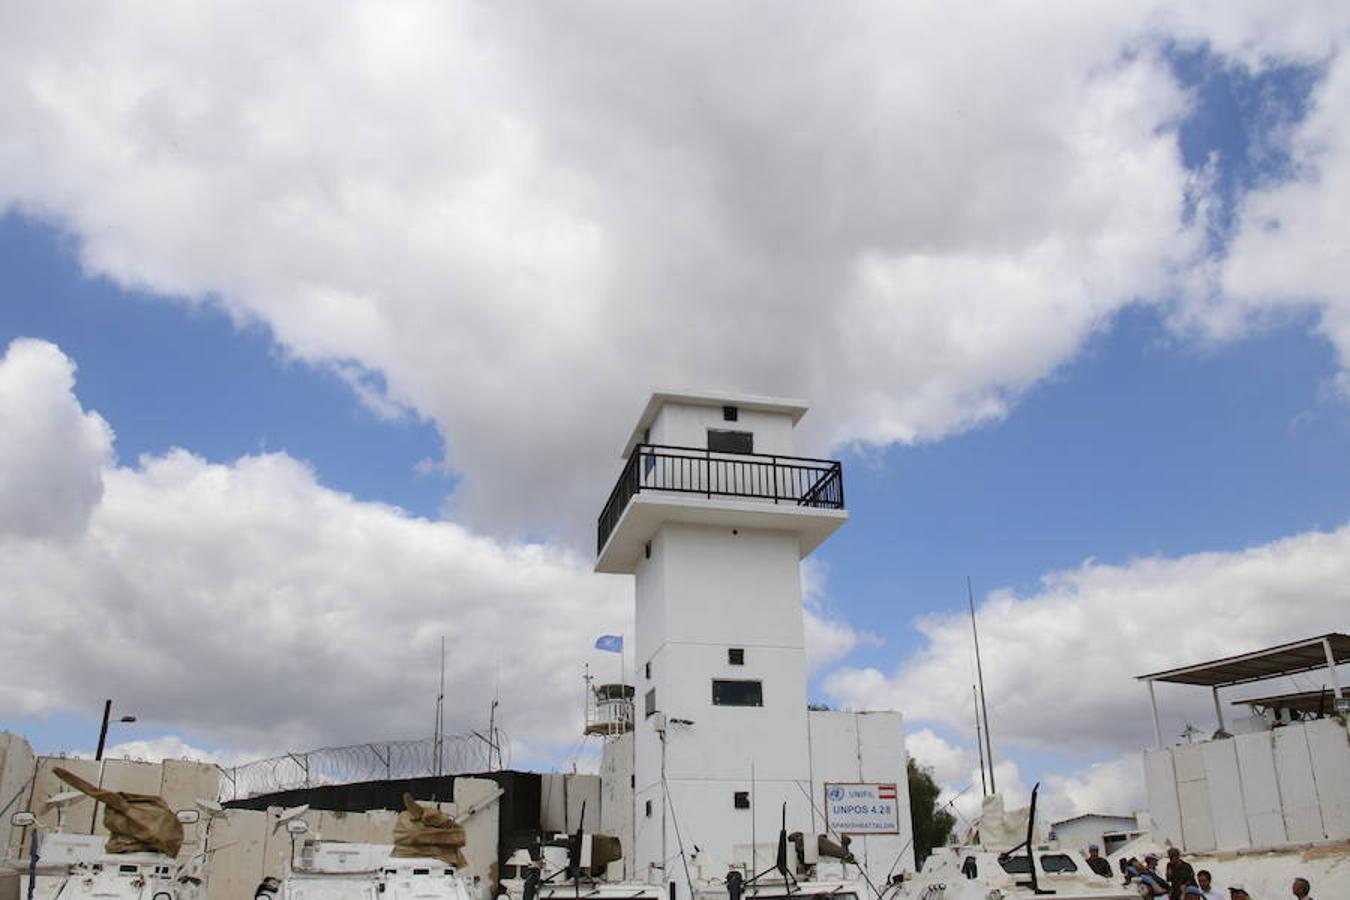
248	604
52	452
171	746
1291	252
521	219
951	764
1113	787
1060	664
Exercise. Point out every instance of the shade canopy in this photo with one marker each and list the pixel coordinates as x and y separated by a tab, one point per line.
1323	701
1272	662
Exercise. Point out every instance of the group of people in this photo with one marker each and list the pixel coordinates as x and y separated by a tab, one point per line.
1179	880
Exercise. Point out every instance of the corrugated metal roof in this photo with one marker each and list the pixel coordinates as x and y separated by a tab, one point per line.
1286	659
1299	701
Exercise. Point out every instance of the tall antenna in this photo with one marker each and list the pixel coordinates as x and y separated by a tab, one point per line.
438	743
979	669
979	747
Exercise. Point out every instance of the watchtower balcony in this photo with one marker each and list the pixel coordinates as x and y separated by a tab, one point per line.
693	484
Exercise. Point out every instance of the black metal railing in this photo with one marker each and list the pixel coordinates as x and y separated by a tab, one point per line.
689	470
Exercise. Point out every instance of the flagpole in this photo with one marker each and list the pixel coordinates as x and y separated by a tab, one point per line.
623	668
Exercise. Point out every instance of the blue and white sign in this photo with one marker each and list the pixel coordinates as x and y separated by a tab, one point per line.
861	808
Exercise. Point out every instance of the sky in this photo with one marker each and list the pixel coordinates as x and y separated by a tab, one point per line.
321	329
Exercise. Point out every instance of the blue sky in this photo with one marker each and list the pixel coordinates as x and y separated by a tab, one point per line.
1161	403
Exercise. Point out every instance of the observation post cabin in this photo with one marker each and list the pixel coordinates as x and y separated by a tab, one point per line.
712	514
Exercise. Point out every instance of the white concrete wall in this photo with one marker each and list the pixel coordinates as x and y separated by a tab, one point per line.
864	747
17	764
686	425
561	796
1263	789
617	798
705	590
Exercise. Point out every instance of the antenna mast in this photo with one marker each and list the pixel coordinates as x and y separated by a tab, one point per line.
979	670
438	743
979	746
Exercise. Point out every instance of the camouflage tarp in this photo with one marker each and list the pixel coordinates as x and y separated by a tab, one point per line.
424	831
136	822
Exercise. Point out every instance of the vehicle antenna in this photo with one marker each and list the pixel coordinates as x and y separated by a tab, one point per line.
979	746
979	669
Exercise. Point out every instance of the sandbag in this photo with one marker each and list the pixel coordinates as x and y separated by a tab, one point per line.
136	823
426	831
605	849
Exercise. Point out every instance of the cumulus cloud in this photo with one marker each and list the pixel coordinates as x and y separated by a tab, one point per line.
1060	663
171	746
1290	252
53	452
514	221
246	603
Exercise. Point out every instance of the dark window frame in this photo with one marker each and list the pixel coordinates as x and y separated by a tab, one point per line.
723	692
725	440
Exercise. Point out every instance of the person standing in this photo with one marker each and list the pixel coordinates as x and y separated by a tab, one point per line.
1098	863
1204	886
1180	875
1302	888
1238	892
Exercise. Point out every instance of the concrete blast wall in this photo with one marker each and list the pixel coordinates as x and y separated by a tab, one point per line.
1290	785
244	845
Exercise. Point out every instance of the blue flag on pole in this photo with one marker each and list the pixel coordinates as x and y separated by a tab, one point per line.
611	642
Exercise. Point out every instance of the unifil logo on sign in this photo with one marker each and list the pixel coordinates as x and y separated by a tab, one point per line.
861	808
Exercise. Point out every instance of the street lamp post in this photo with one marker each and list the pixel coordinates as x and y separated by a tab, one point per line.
98	754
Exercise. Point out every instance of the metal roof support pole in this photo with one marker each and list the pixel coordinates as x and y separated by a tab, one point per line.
1157	726
1331	668
1218	709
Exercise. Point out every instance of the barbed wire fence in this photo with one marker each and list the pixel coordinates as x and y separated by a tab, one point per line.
459	754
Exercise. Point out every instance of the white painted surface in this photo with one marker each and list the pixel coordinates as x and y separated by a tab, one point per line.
682	425
647	512
1161	785
561	797
1330	752
1227	814
617	797
1077	833
16	773
864	747
785	411
1260	789
1257	790
1298	792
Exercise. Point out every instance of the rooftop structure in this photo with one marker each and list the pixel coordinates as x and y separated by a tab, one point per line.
1281	781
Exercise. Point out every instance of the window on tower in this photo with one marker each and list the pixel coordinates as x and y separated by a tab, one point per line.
735	656
722	441
740	799
650	704
726	692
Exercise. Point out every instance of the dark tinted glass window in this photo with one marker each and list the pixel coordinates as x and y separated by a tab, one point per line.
730	413
741	799
1057	862
730	441
1015	865
737	693
650	702
736	656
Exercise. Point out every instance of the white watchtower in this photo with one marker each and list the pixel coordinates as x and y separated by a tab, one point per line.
713	514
